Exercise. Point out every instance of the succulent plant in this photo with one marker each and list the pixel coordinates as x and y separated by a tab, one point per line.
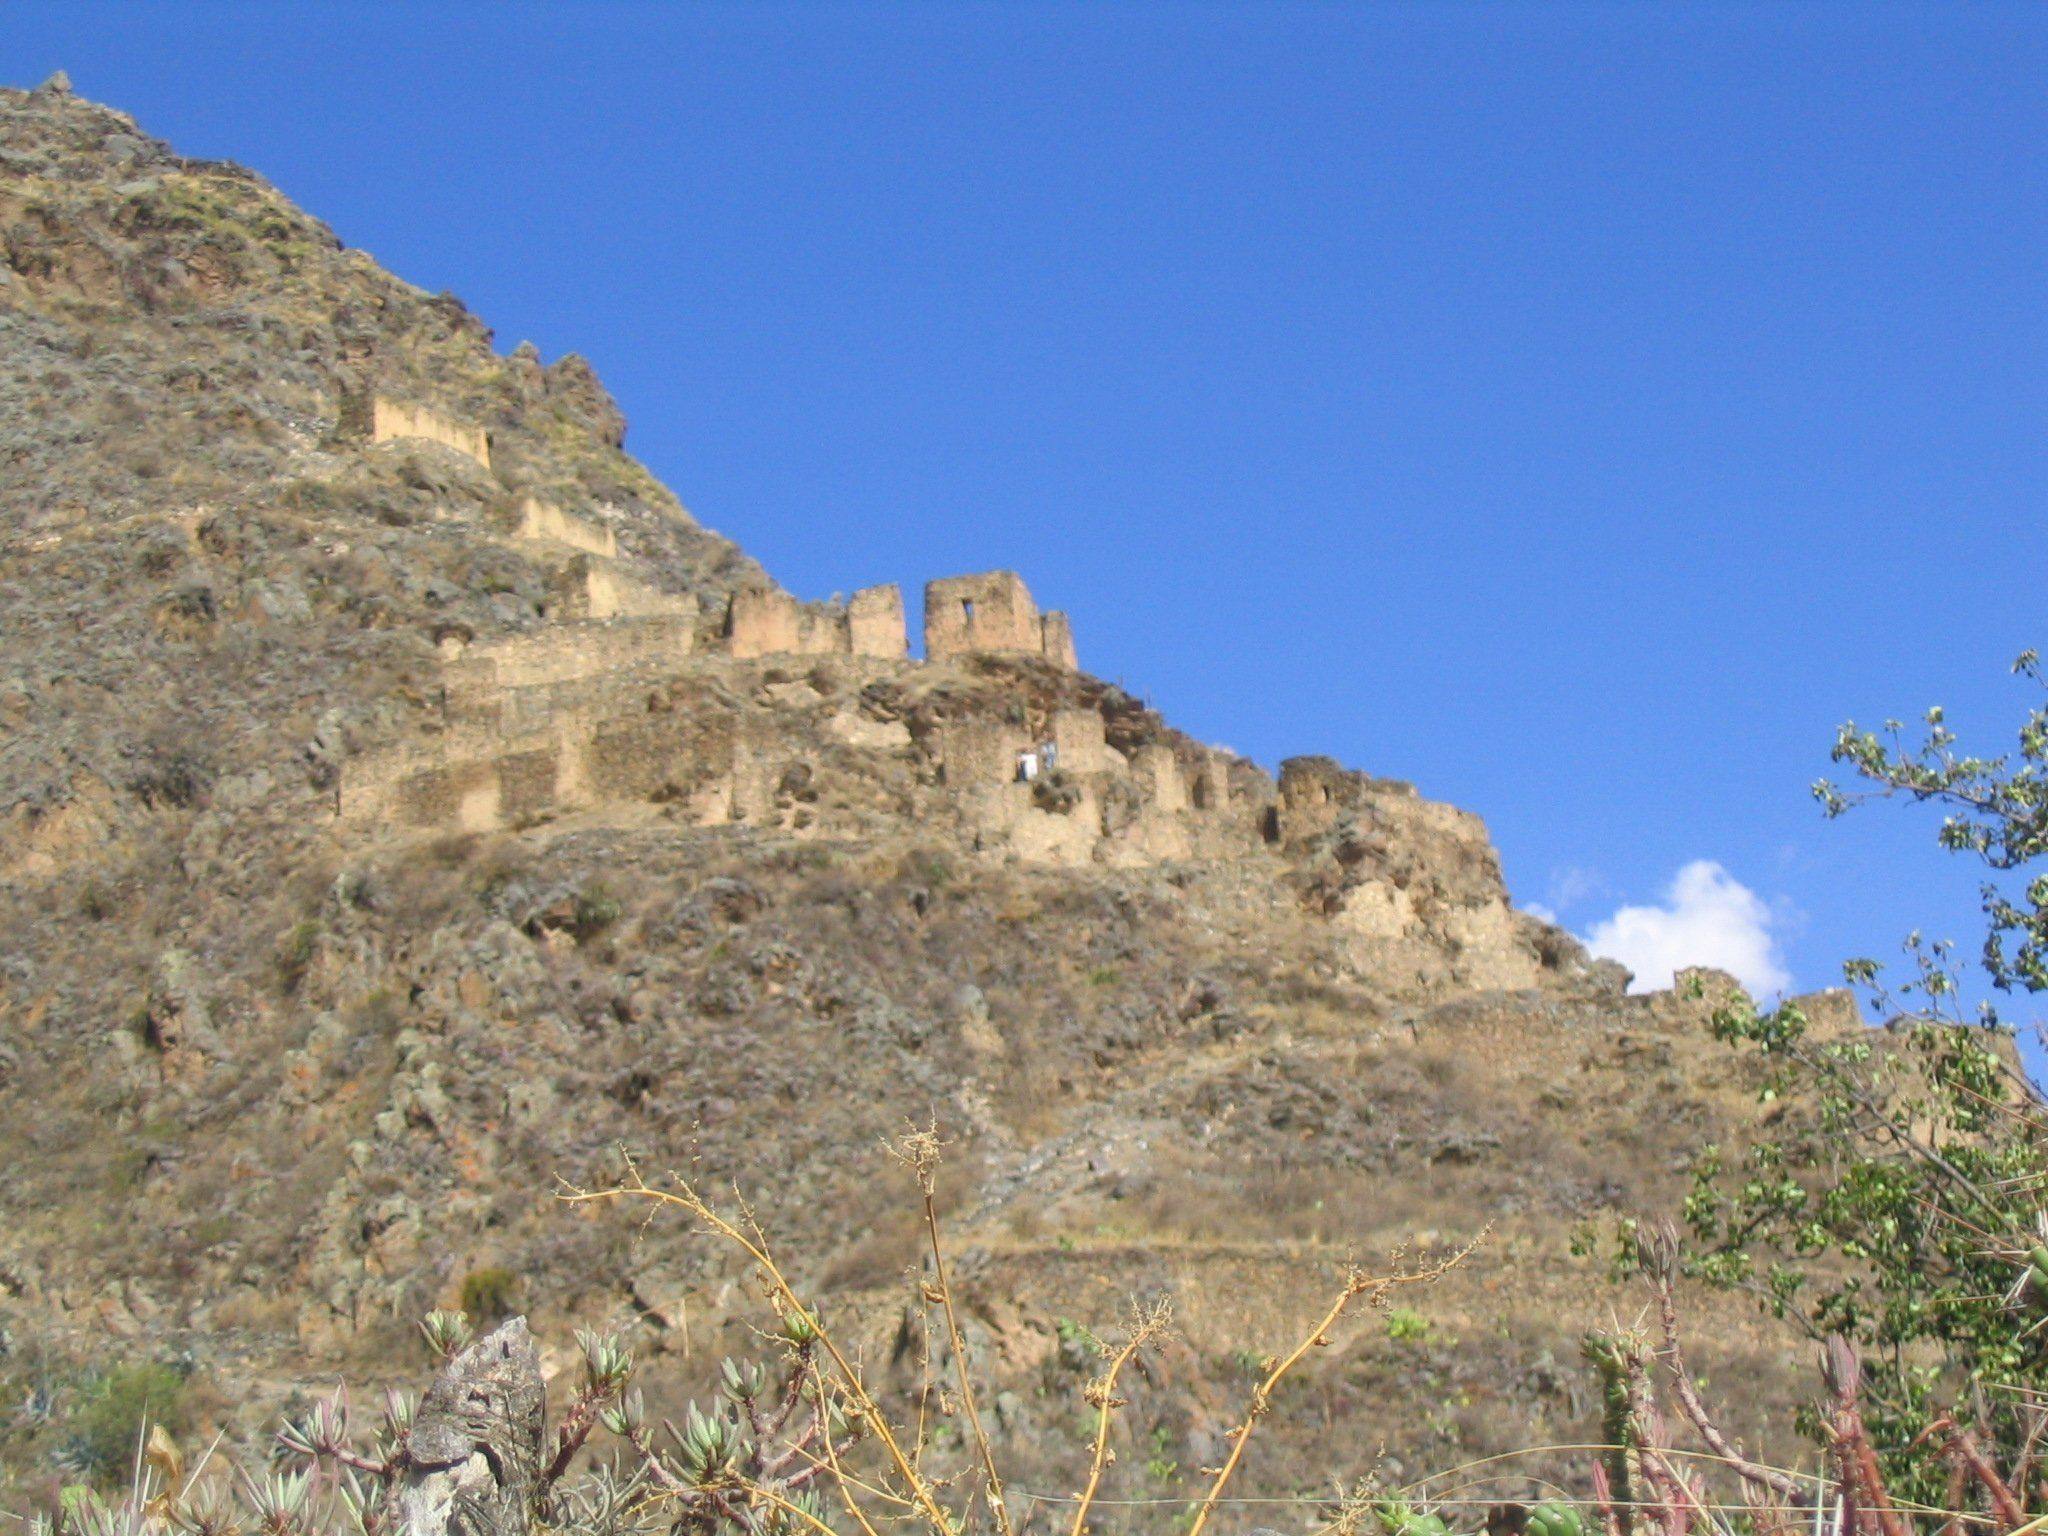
1551	1518
209	1512
320	1432
626	1417
606	1361
1398	1518
606	1502
743	1383
358	1500
278	1500
710	1446
446	1333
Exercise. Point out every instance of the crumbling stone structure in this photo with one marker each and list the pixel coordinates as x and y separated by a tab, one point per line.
630	719
1057	641
992	612
580	715
564	654
588	587
542	522
763	621
390	420
874	623
766	621
1079	745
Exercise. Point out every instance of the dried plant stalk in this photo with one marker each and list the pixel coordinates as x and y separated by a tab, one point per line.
919	1151
1102	1395
754	1244
1356	1284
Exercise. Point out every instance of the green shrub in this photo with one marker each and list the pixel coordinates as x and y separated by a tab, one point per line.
487	1294
115	1409
1405	1325
596	910
1162	1466
295	954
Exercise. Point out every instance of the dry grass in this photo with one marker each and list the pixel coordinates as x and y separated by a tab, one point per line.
902	1486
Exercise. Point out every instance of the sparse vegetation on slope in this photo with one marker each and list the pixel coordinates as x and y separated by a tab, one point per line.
1214	1035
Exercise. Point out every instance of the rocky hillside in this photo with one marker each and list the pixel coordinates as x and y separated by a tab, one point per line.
404	805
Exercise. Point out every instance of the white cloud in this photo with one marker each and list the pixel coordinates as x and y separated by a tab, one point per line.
1574	884
1537	909
1708	918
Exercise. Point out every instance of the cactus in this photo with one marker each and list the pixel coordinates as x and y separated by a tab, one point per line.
1551	1518
1617	1422
412	1482
1398	1518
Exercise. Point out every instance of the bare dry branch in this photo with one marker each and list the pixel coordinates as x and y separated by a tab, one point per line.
1357	1283
1146	1327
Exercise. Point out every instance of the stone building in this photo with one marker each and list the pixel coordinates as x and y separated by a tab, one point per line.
993	611
385	420
874	623
767	621
763	621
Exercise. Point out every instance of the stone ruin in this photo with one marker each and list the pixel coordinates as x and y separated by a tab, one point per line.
987	614
589	587
542	522
568	717
558	720
992	612
766	621
628	704
382	419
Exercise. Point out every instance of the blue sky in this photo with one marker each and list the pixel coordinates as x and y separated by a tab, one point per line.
1578	410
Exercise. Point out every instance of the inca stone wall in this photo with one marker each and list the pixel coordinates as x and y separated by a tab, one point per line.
1079	743
542	724
544	522
874	624
766	621
626	720
391	420
1056	641
566	654
763	622
535	725
989	612
992	612
591	588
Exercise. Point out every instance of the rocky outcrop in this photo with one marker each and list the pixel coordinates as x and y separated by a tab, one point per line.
472	1463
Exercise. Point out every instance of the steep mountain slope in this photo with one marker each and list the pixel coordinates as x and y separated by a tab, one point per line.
404	804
